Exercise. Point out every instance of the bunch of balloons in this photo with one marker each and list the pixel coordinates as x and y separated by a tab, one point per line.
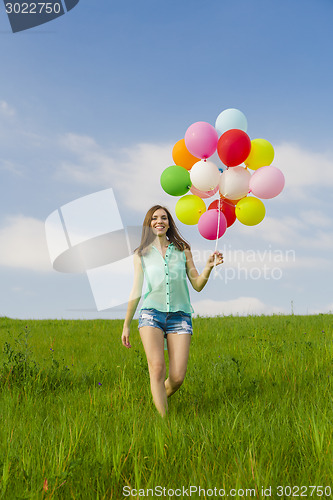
203	178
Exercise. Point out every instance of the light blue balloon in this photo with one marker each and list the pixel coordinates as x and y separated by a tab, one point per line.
230	119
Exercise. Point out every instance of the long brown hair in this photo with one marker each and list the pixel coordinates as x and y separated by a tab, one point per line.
173	235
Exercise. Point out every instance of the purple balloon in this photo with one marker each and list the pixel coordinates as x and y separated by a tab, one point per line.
266	182
201	140
208	224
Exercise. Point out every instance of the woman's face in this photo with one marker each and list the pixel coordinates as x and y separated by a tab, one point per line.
160	222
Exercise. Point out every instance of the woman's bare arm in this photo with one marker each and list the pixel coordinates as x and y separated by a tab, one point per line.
198	281
134	299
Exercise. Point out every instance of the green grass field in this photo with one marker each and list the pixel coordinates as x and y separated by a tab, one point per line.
252	419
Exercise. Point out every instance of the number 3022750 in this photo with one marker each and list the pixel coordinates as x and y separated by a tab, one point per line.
33	8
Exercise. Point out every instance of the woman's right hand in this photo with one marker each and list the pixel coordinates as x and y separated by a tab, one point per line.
125	337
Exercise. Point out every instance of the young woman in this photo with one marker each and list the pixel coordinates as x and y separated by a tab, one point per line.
164	258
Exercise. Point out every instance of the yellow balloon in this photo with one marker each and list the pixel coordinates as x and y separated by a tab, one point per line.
250	211
189	209
261	154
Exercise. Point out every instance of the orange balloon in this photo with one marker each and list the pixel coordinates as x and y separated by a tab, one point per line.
181	155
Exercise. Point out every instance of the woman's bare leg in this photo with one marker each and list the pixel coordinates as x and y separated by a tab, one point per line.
178	349
153	343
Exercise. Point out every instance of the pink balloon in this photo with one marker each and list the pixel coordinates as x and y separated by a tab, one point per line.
266	182
201	139
208	224
203	194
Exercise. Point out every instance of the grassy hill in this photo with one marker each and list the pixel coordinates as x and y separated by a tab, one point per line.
253	417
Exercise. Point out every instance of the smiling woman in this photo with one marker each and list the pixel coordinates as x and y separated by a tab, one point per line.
164	258
160	222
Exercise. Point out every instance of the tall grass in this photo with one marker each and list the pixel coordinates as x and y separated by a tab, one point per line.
77	419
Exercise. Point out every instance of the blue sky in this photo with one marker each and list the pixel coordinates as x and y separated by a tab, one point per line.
97	98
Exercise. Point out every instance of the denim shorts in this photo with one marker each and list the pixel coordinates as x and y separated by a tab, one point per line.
169	322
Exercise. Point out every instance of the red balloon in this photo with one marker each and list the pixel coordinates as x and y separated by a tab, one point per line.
234	147
227	208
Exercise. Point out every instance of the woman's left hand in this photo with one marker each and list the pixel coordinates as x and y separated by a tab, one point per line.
215	259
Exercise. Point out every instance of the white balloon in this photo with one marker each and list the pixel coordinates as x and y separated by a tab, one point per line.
205	175
234	183
230	119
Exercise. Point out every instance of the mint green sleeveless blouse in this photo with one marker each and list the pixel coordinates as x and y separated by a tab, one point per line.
166	281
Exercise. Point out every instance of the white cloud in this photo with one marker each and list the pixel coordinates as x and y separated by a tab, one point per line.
10	166
316	218
241	306
6	110
303	168
23	244
292	232
23	291
134	172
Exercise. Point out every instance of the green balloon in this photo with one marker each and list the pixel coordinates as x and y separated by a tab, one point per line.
175	180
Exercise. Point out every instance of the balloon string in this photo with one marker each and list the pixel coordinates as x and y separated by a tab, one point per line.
218	231
228	202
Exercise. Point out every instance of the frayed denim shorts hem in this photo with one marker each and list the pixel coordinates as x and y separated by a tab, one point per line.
169	322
